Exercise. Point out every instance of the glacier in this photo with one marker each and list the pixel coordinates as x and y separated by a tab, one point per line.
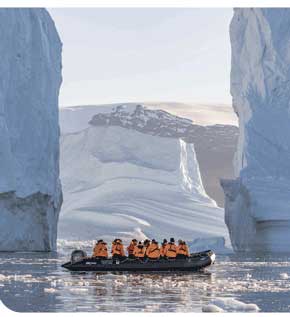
129	172
30	78
257	206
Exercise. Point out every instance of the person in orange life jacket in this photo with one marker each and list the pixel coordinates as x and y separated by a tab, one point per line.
146	245
118	252
182	250
131	248
139	251
162	249
102	253
170	249
153	251
96	248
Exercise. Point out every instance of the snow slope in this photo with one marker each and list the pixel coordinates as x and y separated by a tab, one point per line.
30	77
130	174
258	201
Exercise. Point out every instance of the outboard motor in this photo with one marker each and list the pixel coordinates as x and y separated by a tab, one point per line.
77	256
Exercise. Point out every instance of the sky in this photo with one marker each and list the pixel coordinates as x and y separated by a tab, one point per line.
150	54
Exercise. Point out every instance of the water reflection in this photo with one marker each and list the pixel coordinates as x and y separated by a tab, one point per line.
135	292
36	282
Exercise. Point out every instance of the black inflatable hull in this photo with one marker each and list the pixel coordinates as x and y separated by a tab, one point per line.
196	262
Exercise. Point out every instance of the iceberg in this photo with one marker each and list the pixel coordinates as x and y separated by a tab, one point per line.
257	201
214	143
30	77
131	173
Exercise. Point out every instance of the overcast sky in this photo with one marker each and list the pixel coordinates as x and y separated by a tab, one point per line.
128	55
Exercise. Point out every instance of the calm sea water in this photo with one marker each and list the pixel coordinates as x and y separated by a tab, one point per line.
36	282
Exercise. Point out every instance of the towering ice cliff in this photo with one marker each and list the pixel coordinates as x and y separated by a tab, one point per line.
131	173
258	200
30	77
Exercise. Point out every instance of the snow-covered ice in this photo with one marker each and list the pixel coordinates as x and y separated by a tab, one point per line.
284	276
30	73
257	208
76	118
220	305
130	173
49	290
213	137
218	244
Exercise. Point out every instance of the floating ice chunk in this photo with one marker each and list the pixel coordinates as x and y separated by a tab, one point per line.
212	309
229	305
78	290
152	308
3	277
50	290
284	276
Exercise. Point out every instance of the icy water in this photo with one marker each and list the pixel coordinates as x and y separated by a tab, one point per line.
36	282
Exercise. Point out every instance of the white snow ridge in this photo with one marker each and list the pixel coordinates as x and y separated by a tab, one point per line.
130	172
30	73
258	202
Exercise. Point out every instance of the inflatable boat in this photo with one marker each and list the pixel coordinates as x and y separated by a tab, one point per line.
196	262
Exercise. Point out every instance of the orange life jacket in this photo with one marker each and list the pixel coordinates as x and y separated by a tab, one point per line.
146	247
162	249
183	249
153	251
96	249
131	248
103	250
118	249
139	252
170	250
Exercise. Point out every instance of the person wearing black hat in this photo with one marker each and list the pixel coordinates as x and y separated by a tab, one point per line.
171	249
131	248
162	249
97	248
153	251
118	253
182	250
146	246
139	251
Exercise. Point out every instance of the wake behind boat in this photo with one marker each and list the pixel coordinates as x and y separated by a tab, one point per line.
196	262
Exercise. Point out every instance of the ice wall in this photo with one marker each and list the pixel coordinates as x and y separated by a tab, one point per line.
257	208
30	77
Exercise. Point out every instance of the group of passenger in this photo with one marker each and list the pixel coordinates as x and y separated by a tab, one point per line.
142	250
